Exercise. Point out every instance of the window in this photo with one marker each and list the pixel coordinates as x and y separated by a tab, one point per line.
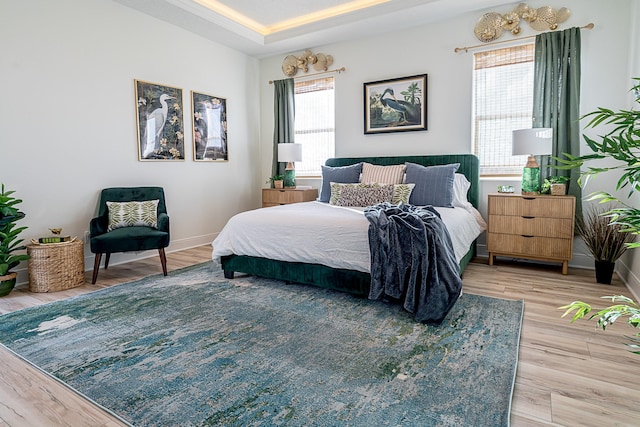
502	102
314	124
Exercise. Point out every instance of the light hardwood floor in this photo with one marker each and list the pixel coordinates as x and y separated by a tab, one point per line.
568	374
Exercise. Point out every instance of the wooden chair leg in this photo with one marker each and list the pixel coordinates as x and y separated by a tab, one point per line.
106	261
96	267
163	260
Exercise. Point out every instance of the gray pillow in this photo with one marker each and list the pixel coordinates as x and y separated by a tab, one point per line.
433	184
342	174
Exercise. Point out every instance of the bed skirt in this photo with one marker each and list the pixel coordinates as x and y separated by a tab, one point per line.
353	282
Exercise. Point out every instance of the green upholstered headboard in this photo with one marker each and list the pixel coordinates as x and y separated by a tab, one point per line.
469	166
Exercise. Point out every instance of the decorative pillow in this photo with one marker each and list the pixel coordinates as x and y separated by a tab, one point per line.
434	184
129	214
401	193
342	174
461	187
382	174
360	194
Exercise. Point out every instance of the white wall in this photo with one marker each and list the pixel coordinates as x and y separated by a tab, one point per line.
67	117
430	49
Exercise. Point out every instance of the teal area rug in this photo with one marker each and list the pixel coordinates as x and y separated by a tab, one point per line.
196	349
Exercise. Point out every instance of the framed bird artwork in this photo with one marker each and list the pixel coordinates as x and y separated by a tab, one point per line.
396	105
160	121
209	124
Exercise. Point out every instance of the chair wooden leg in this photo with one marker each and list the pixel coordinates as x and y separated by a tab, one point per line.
106	261
163	260
96	267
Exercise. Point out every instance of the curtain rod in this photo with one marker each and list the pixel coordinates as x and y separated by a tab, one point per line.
338	70
589	26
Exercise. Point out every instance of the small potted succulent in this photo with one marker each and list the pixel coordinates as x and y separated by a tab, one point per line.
555	185
277	181
9	240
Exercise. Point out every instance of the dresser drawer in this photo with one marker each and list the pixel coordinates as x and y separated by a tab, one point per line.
546	207
530	247
531	226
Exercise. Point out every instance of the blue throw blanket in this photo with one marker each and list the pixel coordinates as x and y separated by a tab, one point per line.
412	260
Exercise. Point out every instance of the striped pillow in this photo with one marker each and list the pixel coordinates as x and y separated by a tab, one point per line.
433	184
393	174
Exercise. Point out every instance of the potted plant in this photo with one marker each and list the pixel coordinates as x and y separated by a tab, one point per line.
277	181
605	239
9	240
555	185
620	144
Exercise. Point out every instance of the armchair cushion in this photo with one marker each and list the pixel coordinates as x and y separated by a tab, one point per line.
129	214
127	239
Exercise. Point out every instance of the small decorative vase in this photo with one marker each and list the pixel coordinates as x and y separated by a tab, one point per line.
7	283
604	271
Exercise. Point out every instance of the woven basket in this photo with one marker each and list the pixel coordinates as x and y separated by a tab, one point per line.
56	266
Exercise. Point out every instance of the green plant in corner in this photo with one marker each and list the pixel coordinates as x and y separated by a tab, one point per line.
9	239
622	144
607	316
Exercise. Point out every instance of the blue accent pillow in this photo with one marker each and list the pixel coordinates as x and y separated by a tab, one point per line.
433	184
342	174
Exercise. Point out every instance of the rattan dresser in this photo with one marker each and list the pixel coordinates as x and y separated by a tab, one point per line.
532	227
56	266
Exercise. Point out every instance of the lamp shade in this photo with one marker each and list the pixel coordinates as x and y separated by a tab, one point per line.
536	141
289	152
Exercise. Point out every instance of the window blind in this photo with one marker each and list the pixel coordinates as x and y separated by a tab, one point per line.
314	123
502	102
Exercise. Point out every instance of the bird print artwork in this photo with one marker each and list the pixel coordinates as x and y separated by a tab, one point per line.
209	127
396	105
160	122
408	113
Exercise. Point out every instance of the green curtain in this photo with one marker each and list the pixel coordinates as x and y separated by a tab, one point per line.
284	119
556	100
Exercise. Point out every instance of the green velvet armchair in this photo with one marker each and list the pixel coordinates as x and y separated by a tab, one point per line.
133	225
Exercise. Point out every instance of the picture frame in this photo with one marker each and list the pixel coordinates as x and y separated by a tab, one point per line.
396	105
209	124
160	121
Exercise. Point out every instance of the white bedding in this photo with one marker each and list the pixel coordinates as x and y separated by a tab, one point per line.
320	233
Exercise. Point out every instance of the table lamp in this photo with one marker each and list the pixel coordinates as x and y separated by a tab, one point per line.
531	142
290	153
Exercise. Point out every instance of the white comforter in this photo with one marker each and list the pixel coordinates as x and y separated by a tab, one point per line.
320	233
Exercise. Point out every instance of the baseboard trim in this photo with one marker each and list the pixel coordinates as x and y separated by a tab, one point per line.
123	258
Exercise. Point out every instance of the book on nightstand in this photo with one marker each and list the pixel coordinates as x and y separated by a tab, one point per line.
54	239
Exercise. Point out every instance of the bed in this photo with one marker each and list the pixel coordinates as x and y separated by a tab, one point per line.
344	268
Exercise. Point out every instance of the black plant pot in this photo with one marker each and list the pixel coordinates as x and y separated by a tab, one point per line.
604	271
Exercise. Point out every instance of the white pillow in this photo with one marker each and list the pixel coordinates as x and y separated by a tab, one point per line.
460	189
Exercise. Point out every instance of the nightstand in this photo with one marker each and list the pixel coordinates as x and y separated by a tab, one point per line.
285	196
531	227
